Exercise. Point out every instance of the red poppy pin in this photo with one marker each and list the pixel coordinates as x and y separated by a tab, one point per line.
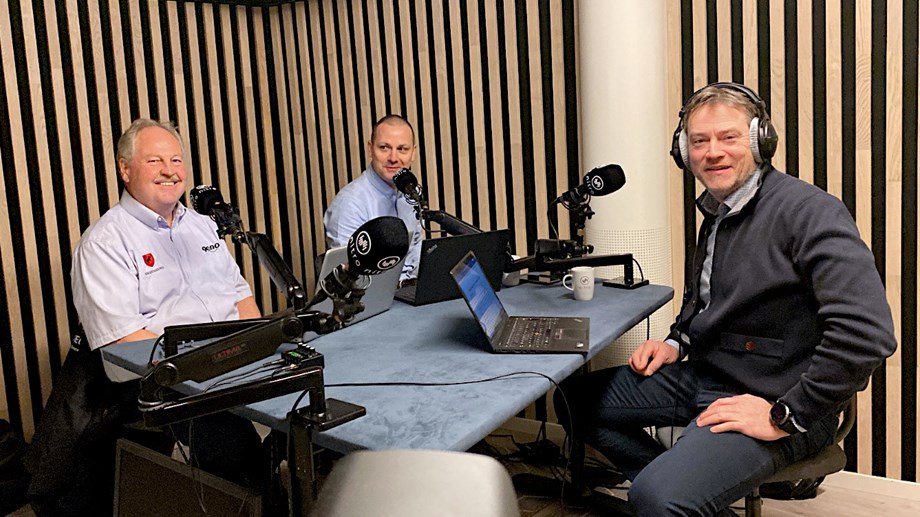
148	259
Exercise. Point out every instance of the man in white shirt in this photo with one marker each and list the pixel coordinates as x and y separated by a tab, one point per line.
147	263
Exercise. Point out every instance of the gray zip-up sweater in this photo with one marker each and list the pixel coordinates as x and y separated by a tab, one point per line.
797	311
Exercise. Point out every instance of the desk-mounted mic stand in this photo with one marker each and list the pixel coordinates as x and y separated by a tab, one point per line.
161	406
552	257
242	342
559	255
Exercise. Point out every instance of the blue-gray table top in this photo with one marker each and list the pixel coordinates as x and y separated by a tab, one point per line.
438	343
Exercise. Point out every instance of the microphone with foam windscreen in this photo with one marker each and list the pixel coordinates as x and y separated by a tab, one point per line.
206	200
407	183
377	246
599	181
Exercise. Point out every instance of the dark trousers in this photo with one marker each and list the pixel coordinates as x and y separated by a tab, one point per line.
704	472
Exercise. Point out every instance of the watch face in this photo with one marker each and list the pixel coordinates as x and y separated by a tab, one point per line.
779	413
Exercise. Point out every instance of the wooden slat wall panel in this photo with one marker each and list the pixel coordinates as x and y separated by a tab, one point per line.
840	79
275	101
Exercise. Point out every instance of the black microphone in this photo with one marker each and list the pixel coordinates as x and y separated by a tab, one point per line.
377	246
206	200
407	183
599	181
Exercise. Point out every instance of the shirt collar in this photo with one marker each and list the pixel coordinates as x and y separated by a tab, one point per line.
147	216
735	201
379	184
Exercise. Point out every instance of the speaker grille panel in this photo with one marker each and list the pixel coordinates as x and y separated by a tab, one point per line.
651	248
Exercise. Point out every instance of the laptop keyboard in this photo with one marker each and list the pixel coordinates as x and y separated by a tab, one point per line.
531	333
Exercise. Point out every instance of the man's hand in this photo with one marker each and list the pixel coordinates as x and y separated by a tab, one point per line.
746	414
651	355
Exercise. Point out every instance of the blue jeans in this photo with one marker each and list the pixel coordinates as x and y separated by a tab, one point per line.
704	472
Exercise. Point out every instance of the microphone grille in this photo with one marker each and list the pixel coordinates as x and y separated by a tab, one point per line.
204	198
377	245
403	179
605	179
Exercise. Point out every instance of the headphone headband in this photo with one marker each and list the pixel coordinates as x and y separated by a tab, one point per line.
763	135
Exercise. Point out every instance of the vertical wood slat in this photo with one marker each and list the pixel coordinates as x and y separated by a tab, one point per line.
425	125
777	81
514	138
499	138
461	124
806	93
106	131
893	166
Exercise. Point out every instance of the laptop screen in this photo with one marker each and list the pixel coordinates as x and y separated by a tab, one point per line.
483	301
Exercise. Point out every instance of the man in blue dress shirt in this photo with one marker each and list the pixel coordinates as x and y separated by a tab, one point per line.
373	194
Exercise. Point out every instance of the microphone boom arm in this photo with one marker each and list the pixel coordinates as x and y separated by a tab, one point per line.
448	223
248	341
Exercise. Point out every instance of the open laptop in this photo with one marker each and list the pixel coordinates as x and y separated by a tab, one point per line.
516	334
377	298
438	256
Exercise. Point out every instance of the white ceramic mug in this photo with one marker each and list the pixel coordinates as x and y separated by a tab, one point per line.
581	282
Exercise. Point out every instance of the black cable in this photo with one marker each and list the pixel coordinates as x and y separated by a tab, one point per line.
457	383
153	349
242	375
193	463
549	218
638	265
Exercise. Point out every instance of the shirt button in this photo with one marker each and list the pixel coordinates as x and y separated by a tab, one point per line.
749	346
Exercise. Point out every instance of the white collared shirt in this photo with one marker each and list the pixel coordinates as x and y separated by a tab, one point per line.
132	271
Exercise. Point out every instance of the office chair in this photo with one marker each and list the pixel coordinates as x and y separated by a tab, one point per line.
417	483
827	461
823	463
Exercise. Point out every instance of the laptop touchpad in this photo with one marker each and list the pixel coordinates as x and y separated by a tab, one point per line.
569	333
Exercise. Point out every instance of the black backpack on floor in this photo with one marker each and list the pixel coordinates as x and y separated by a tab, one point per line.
14	480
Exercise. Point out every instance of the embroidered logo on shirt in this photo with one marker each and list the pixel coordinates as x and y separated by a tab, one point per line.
148	259
211	247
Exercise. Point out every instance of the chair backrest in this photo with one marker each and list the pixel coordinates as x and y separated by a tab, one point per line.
417	483
847	421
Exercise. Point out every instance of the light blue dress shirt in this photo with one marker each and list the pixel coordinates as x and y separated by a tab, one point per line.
366	198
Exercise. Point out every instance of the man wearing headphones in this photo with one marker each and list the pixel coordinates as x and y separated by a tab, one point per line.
784	319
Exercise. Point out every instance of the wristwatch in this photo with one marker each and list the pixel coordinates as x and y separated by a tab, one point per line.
781	416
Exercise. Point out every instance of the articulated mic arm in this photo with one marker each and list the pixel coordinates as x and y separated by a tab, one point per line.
248	341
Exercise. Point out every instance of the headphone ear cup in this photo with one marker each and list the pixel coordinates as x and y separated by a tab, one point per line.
675	148
767	139
684	150
763	139
754	136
